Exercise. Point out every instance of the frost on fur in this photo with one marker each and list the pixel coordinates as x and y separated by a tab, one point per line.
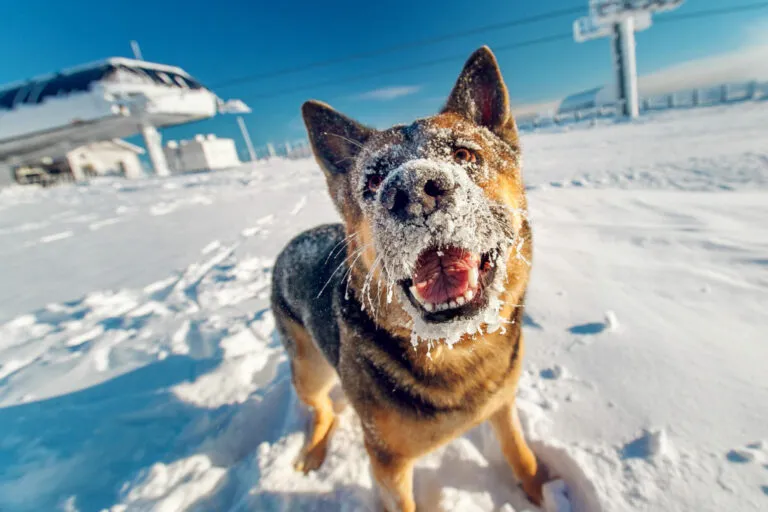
470	220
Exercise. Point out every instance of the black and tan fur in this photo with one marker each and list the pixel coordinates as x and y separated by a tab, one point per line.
410	400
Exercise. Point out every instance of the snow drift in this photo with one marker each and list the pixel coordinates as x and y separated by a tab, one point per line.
139	368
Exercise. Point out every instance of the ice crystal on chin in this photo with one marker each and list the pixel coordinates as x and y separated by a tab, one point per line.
487	320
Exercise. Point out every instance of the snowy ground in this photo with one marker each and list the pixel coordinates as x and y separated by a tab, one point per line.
139	369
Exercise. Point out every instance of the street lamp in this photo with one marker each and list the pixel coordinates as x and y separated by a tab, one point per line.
239	107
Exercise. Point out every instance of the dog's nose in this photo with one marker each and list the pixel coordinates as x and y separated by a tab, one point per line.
408	196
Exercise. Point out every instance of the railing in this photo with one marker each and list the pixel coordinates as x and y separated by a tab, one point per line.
694	98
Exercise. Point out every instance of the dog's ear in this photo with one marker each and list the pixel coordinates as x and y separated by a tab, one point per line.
335	138
480	96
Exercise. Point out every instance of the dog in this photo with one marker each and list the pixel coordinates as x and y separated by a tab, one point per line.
416	301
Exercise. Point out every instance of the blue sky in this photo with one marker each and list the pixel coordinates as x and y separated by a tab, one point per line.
218	41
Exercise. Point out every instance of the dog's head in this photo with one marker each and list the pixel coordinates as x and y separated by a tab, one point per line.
434	210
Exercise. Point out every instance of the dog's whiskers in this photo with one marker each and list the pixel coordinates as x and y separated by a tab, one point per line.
353	142
367	284
344	243
348	274
360	251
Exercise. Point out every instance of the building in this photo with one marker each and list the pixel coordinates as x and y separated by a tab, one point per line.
591	99
102	101
104	158
202	153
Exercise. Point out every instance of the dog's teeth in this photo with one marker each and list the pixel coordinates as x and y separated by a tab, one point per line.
442	307
429	306
453	304
473	277
461	301
415	294
469	295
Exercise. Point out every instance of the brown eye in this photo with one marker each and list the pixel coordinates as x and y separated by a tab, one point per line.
464	156
374	182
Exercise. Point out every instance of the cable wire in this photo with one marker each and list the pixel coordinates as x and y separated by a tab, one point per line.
401	46
497	49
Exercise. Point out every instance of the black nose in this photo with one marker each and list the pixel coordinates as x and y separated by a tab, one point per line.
411	196
434	189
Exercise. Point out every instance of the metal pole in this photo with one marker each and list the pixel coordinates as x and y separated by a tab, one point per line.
247	137
153	141
624	45
136	50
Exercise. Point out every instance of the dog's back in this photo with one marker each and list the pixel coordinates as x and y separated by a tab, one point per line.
305	280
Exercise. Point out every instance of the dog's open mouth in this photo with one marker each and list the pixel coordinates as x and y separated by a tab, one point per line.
449	282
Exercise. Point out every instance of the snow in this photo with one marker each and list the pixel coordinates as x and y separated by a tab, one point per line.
139	369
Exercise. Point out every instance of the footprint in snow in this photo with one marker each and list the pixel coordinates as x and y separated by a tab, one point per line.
611	323
747	454
554	373
588	328
649	445
528	321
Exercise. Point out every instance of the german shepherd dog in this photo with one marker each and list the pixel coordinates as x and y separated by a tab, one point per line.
416	300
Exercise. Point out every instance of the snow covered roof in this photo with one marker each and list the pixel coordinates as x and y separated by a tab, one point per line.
591	98
81	78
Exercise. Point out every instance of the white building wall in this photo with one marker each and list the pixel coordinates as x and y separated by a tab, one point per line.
77	161
192	156
104	159
202	153
221	153
117	161
6	175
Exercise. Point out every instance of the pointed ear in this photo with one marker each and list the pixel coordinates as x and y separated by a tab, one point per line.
480	95
335	138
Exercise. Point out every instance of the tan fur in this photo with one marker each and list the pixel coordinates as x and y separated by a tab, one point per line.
313	379
474	381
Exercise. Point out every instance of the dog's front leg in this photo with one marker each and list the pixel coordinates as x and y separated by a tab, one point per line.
507	427
394	479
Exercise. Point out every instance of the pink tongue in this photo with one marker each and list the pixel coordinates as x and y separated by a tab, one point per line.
443	275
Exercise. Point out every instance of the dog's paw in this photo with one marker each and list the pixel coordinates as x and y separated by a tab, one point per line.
533	487
312	456
533	492
311	459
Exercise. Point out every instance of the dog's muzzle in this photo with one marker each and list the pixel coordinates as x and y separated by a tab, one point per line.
417	190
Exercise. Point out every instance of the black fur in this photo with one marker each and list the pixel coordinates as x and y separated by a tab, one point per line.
305	283
336	139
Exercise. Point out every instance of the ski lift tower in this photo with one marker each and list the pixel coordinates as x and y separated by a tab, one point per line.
620	19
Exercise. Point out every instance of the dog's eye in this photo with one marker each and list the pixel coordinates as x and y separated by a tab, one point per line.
374	182
464	156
